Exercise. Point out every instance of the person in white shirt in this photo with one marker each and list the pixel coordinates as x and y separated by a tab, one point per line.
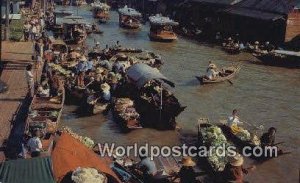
35	144
233	119
106	92
211	72
29	79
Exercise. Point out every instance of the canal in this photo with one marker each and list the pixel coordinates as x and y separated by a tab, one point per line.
264	95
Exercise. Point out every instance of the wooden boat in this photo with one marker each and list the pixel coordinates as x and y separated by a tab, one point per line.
228	72
74	29
157	108
45	113
129	18
125	114
282	58
161	29
101	12
231	49
212	163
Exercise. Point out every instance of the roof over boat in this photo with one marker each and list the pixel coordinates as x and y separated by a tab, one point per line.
161	20
69	154
102	6
63	12
129	12
73	20
34	170
142	73
288	53
220	2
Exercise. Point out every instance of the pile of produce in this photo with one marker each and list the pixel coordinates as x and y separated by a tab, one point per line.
125	109
60	69
88	175
84	140
245	135
214	137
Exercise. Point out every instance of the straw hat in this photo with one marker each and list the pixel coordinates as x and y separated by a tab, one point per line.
97	43
83	58
256	42
105	87
237	160
213	66
114	80
99	70
229	39
187	161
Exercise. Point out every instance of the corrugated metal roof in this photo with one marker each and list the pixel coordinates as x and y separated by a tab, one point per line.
272	6
142	73
254	13
34	170
222	2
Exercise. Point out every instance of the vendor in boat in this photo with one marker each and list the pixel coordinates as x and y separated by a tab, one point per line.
35	144
55	84
91	101
233	120
147	167
186	172
268	138
82	65
80	80
117	45
106	95
211	72
73	55
97	46
234	171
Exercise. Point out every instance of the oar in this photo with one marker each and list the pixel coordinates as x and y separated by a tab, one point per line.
278	143
230	81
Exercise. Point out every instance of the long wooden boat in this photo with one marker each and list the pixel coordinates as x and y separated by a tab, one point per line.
229	72
45	113
281	58
245	138
161	29
101	12
129	18
131	120
231	49
157	108
212	163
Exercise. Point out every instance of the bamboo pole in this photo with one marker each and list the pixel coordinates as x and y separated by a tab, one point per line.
7	20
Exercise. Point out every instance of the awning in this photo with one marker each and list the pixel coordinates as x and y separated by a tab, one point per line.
253	13
34	170
142	73
70	154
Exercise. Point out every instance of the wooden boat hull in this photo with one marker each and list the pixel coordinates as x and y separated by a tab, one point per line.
162	37
231	50
282	61
126	125
43	119
235	70
130	26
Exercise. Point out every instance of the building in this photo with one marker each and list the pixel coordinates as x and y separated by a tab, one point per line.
277	21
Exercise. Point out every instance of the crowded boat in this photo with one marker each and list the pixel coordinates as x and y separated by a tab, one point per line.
129	18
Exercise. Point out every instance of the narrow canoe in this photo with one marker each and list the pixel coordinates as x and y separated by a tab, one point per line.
230	73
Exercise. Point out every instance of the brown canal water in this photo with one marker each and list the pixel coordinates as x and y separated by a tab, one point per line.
264	95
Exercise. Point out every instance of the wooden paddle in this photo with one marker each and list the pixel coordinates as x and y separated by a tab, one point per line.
230	81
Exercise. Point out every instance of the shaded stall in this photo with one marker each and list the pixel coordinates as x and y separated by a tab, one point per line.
69	154
155	102
162	28
129	18
101	11
74	29
35	170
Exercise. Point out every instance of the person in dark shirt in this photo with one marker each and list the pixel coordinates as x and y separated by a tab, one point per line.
268	139
234	170
187	173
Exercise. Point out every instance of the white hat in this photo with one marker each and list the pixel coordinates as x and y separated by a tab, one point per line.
97	43
237	160
105	87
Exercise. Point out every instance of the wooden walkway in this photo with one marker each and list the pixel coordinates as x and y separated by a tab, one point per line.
16	56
